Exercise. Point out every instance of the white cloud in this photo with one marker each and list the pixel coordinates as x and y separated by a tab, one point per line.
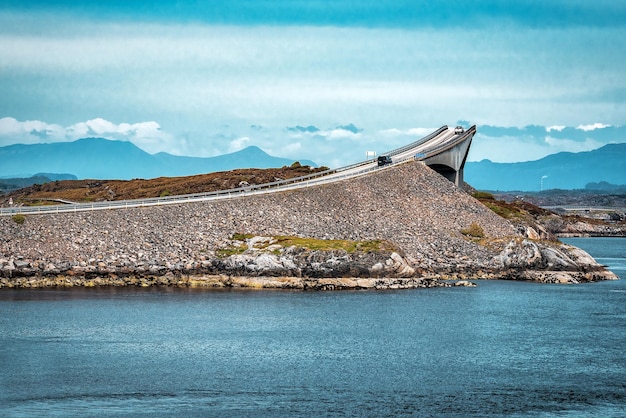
340	133
10	126
102	127
350	132
418	132
391	132
146	135
558	128
592	127
145	129
29	132
569	145
290	149
238	144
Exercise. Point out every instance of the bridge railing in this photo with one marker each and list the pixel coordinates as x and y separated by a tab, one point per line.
171	200
157	200
454	141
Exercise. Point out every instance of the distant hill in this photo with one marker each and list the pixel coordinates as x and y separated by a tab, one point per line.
98	158
12	183
56	176
603	186
564	170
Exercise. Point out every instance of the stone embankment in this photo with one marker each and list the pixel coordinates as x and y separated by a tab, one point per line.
423	215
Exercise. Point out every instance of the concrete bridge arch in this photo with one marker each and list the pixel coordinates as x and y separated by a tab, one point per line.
450	160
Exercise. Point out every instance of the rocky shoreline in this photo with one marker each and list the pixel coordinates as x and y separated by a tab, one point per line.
292	283
227	282
303	269
433	234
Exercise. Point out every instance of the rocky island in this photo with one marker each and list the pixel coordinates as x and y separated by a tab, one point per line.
402	227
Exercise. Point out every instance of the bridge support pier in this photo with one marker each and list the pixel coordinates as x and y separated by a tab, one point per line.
451	162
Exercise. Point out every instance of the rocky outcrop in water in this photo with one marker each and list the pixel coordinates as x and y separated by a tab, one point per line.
421	213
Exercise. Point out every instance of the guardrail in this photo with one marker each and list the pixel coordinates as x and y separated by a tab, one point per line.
276	186
180	199
454	141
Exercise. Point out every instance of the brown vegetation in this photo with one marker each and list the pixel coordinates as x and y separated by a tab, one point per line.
101	190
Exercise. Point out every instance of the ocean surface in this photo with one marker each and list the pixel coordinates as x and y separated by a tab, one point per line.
500	349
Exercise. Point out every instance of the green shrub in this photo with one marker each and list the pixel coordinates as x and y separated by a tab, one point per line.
234	248
296	164
312	244
504	210
228	251
237	236
19	218
164	193
474	231
483	195
333	244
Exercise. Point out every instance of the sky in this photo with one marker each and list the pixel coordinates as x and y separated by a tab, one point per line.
315	79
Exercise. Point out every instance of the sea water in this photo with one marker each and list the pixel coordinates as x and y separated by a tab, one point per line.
500	349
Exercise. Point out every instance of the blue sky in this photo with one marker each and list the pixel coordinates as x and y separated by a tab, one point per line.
319	80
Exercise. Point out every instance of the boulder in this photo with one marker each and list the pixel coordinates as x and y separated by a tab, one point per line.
399	266
536	255
520	254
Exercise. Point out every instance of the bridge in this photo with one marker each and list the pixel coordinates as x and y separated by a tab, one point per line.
444	150
446	153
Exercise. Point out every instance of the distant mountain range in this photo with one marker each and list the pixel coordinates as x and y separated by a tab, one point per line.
98	158
564	170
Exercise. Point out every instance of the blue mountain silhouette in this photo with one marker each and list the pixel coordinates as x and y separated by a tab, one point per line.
99	158
564	170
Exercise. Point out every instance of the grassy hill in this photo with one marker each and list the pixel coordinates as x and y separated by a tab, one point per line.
100	190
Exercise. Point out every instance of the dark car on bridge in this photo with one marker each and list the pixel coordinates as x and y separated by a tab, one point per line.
384	160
